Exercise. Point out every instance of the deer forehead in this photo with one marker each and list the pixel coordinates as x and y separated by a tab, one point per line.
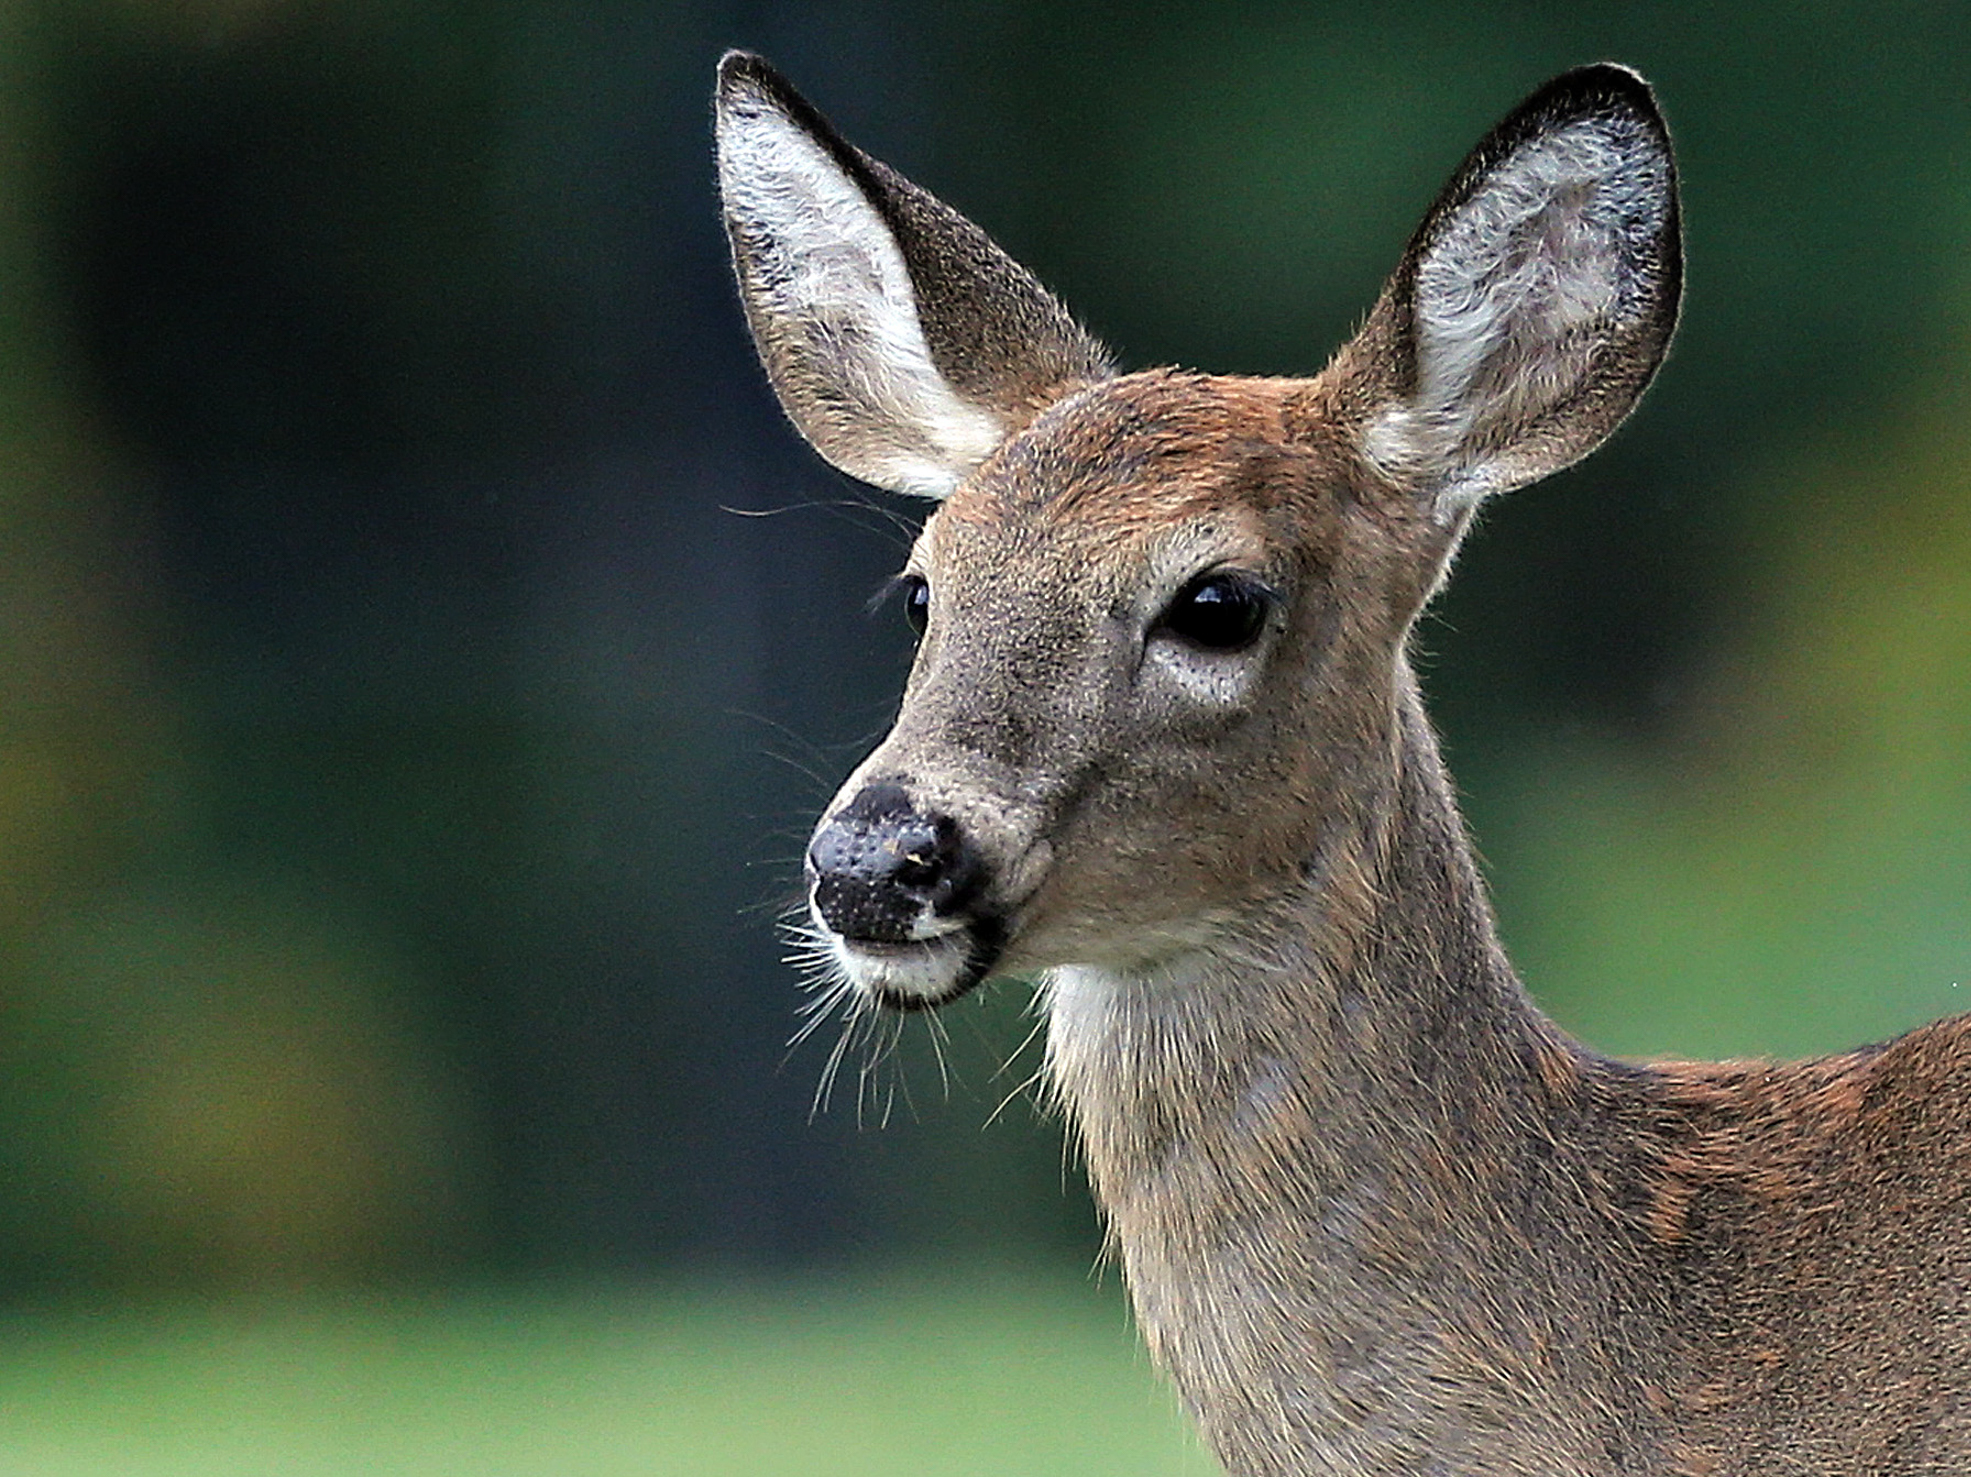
1151	477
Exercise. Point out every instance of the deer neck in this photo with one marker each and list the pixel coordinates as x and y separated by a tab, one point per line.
1371	1007
1309	1139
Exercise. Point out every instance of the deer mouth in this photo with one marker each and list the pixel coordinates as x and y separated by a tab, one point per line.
921	974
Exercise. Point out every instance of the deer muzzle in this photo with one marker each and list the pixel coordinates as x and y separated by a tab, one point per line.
899	893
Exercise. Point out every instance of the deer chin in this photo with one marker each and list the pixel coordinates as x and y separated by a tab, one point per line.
919	974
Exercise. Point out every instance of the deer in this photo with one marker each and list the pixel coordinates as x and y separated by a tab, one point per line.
1162	753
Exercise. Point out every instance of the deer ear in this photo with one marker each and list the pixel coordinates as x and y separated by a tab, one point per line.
1535	301
903	344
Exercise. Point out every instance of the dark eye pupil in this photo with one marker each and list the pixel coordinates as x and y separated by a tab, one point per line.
1219	612
916	602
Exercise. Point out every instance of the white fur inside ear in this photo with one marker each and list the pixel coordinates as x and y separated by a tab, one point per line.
1521	287
831	271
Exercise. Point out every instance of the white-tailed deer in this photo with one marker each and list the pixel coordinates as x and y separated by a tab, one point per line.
1162	752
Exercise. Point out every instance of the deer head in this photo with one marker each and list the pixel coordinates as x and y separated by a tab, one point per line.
1160	682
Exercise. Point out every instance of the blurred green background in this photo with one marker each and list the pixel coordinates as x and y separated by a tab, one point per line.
407	740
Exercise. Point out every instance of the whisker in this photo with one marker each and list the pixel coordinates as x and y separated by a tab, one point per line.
888	524
940	1039
1039	1025
1019	1090
824	1088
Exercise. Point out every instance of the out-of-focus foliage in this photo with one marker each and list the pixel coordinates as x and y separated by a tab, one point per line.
205	1089
1790	868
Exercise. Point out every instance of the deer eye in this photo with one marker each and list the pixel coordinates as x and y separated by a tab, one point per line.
1218	612
916	601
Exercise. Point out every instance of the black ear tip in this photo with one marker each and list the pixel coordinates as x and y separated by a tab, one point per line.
746	73
1612	75
1597	88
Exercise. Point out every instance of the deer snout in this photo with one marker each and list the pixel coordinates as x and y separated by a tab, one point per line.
881	871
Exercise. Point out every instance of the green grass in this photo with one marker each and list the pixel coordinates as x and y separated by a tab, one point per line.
930	1378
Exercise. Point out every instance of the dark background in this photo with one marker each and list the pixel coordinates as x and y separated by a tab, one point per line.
423	646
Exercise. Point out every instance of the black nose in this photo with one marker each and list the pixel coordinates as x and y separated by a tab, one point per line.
879	865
